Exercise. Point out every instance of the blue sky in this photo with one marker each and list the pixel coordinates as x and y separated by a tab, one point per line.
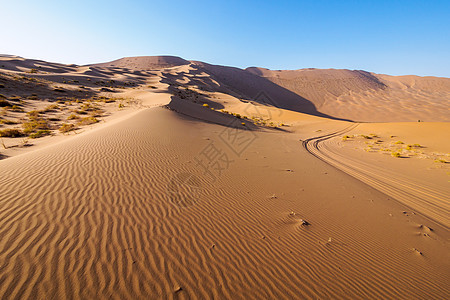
391	37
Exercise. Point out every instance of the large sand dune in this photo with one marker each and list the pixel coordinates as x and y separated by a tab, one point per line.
368	97
198	189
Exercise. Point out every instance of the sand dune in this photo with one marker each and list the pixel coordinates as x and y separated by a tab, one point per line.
368	97
145	62
99	222
199	189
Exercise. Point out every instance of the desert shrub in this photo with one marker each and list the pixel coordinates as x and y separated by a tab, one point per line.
4	103
34	125
39	133
14	98
73	117
13	133
206	105
88	107
66	127
396	154
442	161
33	113
399	143
15	108
88	121
51	107
366	137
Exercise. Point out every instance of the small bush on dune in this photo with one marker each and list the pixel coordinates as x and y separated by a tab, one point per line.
73	117
59	89
15	108
88	121
206	105
34	125
39	133
345	137
49	108
33	113
13	133
65	127
4	103
399	143
396	154
442	161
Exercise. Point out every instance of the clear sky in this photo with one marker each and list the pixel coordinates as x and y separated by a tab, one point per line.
382	36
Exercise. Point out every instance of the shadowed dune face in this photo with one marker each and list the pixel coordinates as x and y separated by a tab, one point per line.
258	89
367	97
19	64
337	94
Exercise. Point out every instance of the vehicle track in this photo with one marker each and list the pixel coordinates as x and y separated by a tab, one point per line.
431	201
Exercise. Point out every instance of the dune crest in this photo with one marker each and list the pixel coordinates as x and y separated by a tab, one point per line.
144	62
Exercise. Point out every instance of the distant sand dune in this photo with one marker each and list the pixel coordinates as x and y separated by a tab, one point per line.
368	97
145	62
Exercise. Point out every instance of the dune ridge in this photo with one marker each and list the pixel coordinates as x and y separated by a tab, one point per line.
144	62
368	97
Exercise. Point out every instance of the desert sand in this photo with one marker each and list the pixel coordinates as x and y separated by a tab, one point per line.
208	182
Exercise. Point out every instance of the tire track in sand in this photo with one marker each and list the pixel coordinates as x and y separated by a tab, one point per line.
431	201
